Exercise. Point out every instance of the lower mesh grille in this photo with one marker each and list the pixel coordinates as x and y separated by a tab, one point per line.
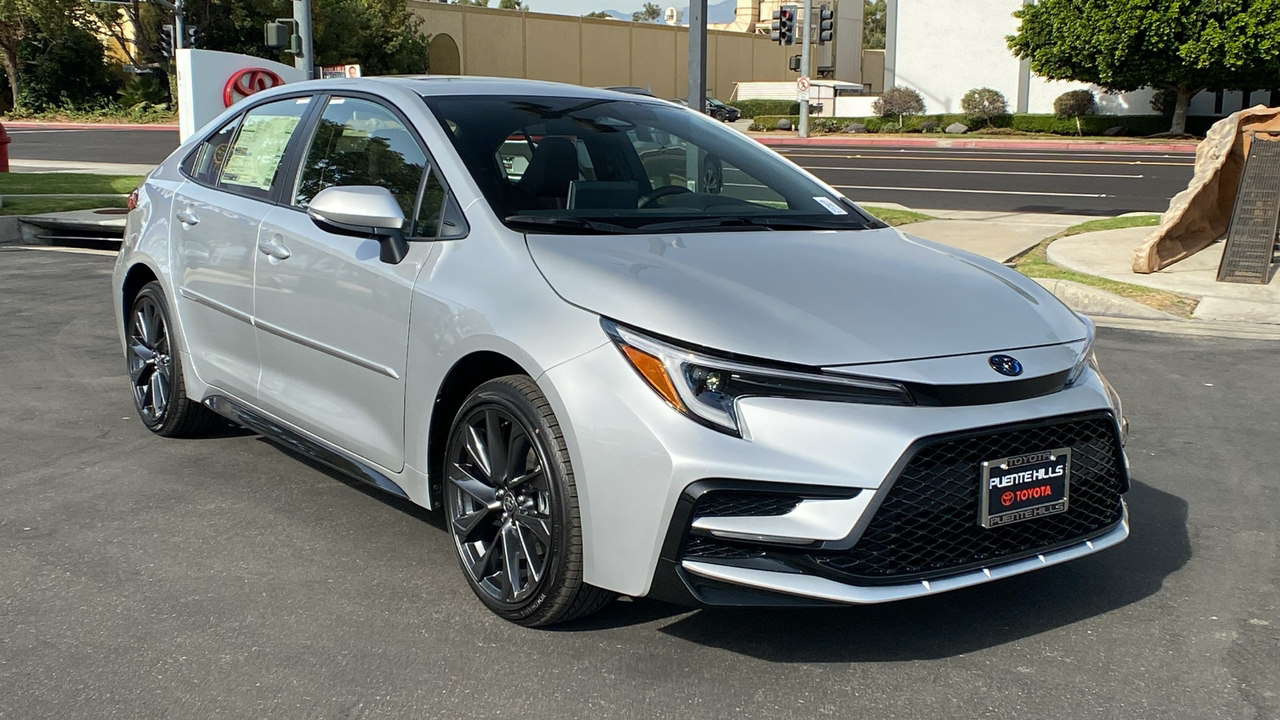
708	549
735	503
928	523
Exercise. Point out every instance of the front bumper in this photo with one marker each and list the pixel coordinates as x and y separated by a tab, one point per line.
635	460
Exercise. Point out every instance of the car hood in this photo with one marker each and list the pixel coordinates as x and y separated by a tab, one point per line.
815	298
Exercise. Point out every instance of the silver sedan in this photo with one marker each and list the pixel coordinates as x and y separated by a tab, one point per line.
625	350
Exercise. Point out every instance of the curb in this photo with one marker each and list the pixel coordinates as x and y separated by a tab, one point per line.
34	125
857	141
1092	301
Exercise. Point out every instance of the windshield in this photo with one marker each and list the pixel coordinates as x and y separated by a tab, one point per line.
548	164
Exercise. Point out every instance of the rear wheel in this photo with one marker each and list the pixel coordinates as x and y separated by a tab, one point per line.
513	507
155	370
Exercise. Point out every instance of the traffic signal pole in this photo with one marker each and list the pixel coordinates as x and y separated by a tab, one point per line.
304	60
806	34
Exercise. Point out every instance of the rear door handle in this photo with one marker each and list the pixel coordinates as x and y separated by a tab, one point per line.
187	217
273	248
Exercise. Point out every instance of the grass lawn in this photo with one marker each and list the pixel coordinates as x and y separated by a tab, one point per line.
895	217
1035	263
38	205
68	183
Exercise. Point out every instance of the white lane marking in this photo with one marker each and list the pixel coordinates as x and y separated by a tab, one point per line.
967	190
963	152
1038	161
973	172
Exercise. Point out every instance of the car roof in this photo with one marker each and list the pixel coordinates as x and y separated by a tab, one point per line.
429	85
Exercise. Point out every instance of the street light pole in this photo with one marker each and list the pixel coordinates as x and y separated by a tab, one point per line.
304	60
804	68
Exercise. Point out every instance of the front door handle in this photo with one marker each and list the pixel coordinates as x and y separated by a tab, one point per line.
187	217
273	248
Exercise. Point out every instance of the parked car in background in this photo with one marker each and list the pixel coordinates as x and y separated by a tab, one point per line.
622	348
715	108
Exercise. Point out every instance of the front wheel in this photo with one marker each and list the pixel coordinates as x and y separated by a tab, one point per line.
513	507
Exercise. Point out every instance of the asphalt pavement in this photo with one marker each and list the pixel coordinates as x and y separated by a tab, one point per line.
1068	181
227	578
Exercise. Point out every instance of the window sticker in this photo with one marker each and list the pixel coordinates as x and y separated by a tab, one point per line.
830	205
256	155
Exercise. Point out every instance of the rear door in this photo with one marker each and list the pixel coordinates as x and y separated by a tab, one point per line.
333	319
217	215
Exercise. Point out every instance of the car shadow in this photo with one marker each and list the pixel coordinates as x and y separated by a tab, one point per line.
952	623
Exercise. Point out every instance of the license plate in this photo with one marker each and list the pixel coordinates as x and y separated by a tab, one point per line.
1023	487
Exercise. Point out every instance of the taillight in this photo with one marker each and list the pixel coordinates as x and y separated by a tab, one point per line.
132	201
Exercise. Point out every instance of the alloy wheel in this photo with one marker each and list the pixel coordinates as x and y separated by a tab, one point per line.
150	361
500	504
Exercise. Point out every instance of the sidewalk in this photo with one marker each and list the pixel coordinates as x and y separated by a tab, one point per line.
1109	254
76	166
998	236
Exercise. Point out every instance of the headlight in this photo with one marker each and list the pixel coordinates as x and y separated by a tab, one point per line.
1087	357
707	389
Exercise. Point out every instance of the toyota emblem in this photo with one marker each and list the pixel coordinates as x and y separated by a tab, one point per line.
1005	365
248	81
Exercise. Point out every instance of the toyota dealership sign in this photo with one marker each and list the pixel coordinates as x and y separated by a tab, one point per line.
209	82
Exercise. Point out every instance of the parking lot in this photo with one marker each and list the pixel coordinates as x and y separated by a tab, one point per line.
227	578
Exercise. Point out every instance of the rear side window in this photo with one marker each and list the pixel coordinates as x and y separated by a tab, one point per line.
253	161
358	142
205	164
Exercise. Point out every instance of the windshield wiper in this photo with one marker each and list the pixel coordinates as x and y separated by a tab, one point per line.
564	223
752	222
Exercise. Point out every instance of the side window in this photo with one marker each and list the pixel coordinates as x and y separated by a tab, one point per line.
205	163
438	214
252	163
358	142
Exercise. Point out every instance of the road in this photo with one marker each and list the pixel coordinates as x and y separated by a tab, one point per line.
1035	181
1067	181
226	578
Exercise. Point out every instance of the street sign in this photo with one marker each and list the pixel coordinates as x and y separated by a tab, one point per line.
802	84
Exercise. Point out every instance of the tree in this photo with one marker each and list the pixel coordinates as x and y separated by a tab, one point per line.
1075	104
598	14
651	12
984	104
475	3
21	19
898	101
1122	45
512	5
873	24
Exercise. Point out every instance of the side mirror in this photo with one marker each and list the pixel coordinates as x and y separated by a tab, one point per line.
366	211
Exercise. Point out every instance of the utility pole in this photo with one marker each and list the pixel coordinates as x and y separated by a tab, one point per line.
304	59
804	66
697	85
179	26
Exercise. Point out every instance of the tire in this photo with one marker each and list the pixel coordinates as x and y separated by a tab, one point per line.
155	372
513	514
720	115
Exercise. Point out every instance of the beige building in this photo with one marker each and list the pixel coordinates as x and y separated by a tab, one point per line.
469	40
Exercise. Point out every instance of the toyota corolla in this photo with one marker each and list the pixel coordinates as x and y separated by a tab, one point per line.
710	379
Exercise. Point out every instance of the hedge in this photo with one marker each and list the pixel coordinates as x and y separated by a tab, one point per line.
1138	125
752	108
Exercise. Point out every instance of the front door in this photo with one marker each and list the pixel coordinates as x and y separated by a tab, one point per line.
333	319
217	215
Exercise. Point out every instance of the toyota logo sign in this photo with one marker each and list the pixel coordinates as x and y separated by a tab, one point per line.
247	82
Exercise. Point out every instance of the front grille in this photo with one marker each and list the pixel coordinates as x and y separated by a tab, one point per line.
706	548
928	523
734	503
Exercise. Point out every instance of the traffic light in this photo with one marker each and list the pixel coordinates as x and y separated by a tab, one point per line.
193	36
826	24
166	40
784	25
794	63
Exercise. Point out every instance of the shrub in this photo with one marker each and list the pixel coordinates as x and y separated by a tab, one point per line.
752	108
899	101
68	72
1164	101
1075	103
984	104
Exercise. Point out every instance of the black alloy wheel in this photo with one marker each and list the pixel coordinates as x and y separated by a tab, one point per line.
155	372
512	506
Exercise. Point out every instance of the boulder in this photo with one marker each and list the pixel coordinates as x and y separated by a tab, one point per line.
1116	131
784	124
957	128
855	128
